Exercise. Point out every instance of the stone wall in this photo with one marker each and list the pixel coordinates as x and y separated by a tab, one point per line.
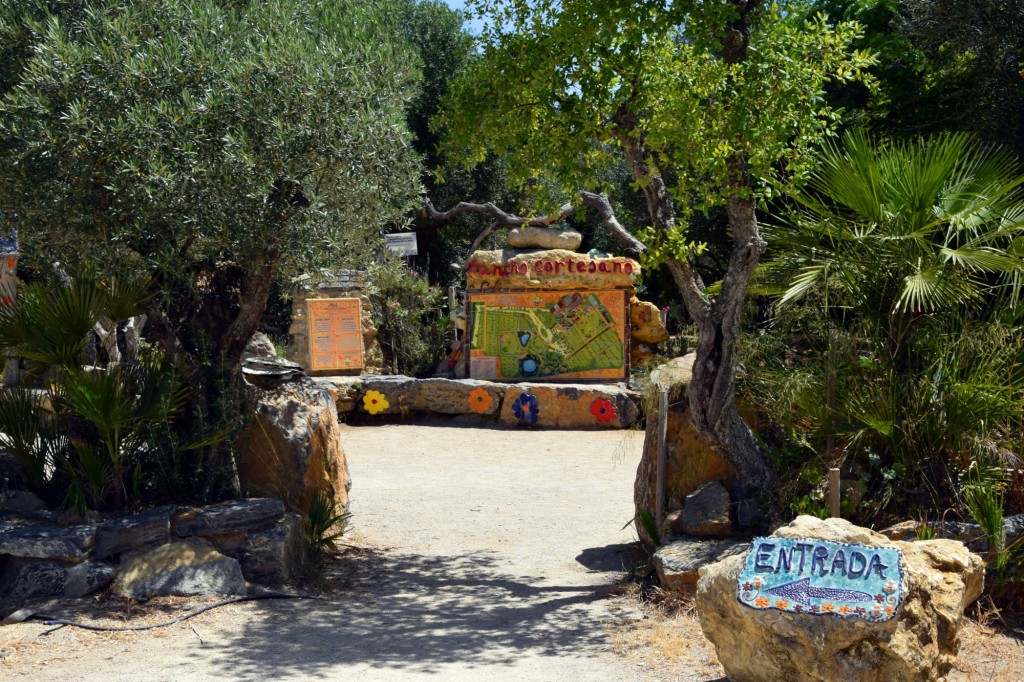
166	550
521	404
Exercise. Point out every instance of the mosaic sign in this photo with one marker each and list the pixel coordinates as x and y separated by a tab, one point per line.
820	577
335	333
552	334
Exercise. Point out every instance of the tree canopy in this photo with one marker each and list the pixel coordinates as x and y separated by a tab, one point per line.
204	144
708	102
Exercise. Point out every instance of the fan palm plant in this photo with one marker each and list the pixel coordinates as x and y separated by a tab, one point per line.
895	230
84	430
898	275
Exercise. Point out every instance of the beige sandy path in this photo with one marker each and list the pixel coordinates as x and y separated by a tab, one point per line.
490	552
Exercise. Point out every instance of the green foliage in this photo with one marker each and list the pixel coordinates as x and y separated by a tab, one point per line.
896	346
322	525
650	525
51	324
326	521
84	434
411	326
982	492
943	65
176	132
560	86
206	148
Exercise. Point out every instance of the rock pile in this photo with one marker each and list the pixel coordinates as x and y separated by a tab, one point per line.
208	550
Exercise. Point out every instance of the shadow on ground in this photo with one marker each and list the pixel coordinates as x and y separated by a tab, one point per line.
404	611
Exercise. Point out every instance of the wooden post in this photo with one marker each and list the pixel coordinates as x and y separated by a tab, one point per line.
833	492
659	485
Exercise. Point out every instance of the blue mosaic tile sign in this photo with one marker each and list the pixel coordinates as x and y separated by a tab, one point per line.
822	578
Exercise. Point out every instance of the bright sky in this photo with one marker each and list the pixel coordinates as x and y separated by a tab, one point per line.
473	26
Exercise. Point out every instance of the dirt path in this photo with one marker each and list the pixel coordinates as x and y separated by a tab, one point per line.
483	554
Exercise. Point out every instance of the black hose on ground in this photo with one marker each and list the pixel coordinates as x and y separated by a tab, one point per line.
52	620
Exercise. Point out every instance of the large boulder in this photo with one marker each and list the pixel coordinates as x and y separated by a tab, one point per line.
691	462
187	568
294	445
260	346
645	325
264	555
71	543
706	511
919	641
21	502
678	563
228	517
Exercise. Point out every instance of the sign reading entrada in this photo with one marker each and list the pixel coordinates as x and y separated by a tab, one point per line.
820	577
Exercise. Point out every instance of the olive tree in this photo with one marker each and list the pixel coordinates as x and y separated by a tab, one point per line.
205	147
705	100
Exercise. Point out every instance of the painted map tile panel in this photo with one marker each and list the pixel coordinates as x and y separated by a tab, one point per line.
822	578
516	336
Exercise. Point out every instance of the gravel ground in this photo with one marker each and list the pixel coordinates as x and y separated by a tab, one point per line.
477	554
481	554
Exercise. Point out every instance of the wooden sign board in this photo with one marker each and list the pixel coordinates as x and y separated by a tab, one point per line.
335	333
554	335
818	578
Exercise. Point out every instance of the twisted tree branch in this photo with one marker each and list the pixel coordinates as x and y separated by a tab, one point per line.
598	202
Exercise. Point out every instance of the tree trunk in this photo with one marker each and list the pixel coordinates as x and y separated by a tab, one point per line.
252	302
712	389
713	386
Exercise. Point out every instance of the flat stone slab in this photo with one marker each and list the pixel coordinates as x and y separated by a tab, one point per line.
24	579
559	405
678	563
544	238
228	517
70	543
132	532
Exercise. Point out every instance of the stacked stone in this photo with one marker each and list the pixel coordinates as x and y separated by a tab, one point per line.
166	550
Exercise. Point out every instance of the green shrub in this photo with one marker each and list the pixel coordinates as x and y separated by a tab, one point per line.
411	326
84	433
896	345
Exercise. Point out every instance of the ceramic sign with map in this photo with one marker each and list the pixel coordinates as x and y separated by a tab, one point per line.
819	577
552	334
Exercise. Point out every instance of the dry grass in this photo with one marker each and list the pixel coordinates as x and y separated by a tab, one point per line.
667	644
988	654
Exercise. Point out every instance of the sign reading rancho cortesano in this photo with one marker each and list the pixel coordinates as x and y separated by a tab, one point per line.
822	578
